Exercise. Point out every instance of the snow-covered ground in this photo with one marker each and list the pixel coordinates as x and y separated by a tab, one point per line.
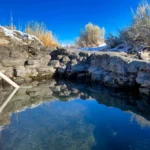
120	48
99	48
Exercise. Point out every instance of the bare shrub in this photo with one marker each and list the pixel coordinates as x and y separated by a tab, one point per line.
113	41
138	33
91	36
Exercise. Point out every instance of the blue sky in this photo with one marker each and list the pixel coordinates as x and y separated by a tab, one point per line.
67	17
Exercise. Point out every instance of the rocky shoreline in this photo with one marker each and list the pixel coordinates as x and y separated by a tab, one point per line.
24	59
111	68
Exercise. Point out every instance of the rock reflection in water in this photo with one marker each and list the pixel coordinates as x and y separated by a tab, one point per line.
40	121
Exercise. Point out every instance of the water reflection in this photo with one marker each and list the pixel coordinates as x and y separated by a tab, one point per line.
63	115
8	99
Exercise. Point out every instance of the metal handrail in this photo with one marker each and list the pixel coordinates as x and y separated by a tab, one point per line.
9	80
12	93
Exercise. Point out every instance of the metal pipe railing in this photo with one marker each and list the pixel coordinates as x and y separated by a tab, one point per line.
12	93
9	80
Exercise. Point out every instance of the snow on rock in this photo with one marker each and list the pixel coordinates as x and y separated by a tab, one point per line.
103	47
19	36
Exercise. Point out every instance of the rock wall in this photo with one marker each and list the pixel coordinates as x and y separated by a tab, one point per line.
23	56
111	68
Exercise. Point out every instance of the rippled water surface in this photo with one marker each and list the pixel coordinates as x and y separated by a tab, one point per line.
70	117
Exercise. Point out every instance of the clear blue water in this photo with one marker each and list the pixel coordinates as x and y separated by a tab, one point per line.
75	125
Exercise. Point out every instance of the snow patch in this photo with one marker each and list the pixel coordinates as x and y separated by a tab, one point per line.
99	48
18	35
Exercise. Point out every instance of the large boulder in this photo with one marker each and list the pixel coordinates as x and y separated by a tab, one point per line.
44	69
33	62
54	63
143	78
81	67
11	62
45	60
54	54
65	59
134	66
97	74
107	62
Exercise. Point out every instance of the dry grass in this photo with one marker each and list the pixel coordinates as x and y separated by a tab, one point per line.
113	41
40	31
3	42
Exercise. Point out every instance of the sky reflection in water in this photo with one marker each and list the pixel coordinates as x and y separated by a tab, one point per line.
75	125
